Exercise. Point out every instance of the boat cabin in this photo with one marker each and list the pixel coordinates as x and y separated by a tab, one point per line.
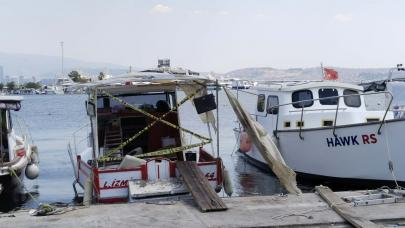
116	122
7	104
137	138
312	104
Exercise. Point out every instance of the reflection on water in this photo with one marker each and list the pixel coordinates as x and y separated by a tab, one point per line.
249	180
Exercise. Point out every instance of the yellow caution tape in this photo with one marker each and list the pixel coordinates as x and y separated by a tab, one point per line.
157	119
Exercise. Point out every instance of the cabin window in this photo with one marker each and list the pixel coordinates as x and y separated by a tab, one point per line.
150	101
260	102
302	95
352	99
327	123
272	105
299	124
287	124
324	93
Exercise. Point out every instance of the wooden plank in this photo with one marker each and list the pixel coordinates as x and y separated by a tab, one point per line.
205	197
342	208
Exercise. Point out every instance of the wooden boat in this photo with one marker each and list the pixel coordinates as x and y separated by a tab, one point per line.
136	137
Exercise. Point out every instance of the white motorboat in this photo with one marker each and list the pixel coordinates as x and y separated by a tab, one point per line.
17	155
241	84
136	136
324	131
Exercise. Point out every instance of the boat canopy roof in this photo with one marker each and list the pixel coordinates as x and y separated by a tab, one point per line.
149	79
11	99
301	85
10	102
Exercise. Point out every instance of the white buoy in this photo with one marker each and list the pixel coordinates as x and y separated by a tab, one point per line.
227	183
32	171
34	154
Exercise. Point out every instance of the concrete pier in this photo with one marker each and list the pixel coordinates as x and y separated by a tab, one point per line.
309	209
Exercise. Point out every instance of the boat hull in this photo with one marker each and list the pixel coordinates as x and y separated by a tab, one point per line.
357	152
111	184
11	191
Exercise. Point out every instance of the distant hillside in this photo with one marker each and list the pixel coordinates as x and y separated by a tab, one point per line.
314	73
42	66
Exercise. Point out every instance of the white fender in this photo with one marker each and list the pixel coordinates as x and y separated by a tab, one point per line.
227	183
34	154
32	171
245	143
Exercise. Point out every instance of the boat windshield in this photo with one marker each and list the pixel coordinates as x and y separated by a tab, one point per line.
144	101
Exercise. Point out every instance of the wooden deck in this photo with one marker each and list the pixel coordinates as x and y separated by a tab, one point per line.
205	197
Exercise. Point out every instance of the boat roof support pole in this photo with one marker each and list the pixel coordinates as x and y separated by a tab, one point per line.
94	127
217	97
210	135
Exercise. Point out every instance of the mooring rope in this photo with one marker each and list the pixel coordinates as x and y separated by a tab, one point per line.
21	183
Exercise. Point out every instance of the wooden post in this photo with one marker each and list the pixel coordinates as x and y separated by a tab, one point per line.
342	208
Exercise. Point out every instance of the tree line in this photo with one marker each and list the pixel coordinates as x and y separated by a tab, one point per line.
12	85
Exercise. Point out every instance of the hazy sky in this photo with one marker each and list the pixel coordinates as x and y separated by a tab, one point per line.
209	35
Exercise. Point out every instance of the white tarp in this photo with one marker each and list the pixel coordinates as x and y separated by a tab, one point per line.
265	145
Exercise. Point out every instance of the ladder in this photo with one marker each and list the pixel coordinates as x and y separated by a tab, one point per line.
112	139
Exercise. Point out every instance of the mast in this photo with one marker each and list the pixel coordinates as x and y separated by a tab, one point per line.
323	71
62	70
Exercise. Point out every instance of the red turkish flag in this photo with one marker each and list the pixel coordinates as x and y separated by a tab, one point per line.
330	74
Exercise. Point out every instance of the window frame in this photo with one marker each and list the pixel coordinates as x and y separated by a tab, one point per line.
326	100
262	104
275	109
353	95
298	105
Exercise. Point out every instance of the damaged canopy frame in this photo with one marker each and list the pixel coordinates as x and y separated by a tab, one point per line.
193	86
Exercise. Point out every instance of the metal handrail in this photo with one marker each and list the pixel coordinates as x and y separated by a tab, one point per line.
324	98
74	136
301	123
336	114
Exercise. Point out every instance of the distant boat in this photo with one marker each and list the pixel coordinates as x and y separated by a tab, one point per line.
241	84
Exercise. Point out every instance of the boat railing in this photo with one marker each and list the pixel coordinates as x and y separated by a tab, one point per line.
336	112
80	138
22	129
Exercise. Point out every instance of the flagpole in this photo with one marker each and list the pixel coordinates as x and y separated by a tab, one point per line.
323	71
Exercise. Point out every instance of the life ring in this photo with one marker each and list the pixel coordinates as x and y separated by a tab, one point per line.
245	144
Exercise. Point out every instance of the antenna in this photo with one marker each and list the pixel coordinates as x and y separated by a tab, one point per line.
323	71
62	70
